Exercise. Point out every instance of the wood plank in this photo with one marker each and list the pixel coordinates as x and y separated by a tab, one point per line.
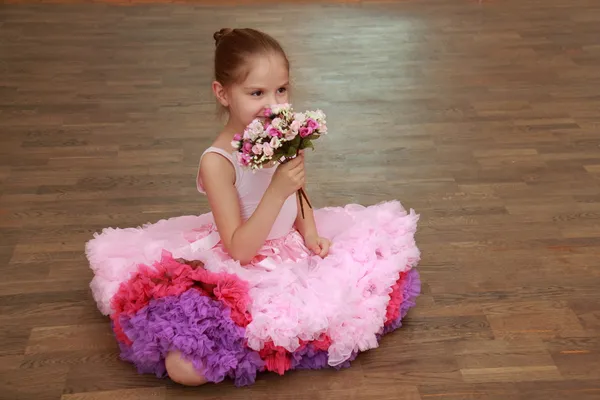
126	394
484	118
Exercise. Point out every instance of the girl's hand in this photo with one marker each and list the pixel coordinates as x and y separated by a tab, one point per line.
318	245
289	177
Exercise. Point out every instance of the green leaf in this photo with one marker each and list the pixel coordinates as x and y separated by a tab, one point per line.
291	151
295	142
307	143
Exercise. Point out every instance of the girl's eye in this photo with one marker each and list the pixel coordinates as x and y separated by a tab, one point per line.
281	90
257	93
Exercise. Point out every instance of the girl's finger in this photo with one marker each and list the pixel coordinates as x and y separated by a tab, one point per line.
300	175
324	248
296	162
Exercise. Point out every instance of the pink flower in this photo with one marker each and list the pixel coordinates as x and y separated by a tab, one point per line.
241	159
246	158
290	135
247	147
267	149
268	112
237	137
274	132
257	148
312	124
295	126
305	132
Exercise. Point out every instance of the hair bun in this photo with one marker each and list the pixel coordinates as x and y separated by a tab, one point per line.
220	33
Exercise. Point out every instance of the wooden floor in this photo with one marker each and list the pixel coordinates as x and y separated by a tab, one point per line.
484	118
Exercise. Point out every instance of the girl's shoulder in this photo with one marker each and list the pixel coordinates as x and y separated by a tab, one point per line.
215	151
221	146
218	163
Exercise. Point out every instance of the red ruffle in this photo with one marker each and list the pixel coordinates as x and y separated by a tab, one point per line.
277	359
393	309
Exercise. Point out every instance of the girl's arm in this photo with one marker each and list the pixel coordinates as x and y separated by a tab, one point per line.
306	226
308	229
242	240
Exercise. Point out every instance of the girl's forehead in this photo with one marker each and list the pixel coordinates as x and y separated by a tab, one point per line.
267	70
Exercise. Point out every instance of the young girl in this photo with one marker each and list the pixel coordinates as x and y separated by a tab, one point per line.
253	285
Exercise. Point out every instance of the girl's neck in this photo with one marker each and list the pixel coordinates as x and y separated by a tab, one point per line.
232	127
229	130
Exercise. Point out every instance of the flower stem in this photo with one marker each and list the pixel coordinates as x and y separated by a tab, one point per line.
301	192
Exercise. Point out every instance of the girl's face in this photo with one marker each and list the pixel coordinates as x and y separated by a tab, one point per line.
267	83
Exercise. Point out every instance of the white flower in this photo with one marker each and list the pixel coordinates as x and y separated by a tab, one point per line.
300	117
275	143
320	115
317	115
276	123
280	108
254	130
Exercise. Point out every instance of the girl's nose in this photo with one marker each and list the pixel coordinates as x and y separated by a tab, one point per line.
270	99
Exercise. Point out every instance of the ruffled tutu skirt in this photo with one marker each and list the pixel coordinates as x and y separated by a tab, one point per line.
170	286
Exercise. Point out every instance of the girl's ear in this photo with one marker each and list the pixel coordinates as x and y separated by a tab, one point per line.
220	93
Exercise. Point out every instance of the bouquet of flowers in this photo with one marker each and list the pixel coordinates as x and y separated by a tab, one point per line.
278	137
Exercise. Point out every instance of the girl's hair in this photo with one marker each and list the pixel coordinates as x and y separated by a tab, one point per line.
233	49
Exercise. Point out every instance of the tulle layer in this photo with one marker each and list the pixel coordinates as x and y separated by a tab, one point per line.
200	328
288	309
170	277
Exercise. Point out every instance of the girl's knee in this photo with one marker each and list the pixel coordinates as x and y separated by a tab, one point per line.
182	371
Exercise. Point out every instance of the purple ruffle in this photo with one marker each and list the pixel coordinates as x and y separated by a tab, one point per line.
310	358
197	326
